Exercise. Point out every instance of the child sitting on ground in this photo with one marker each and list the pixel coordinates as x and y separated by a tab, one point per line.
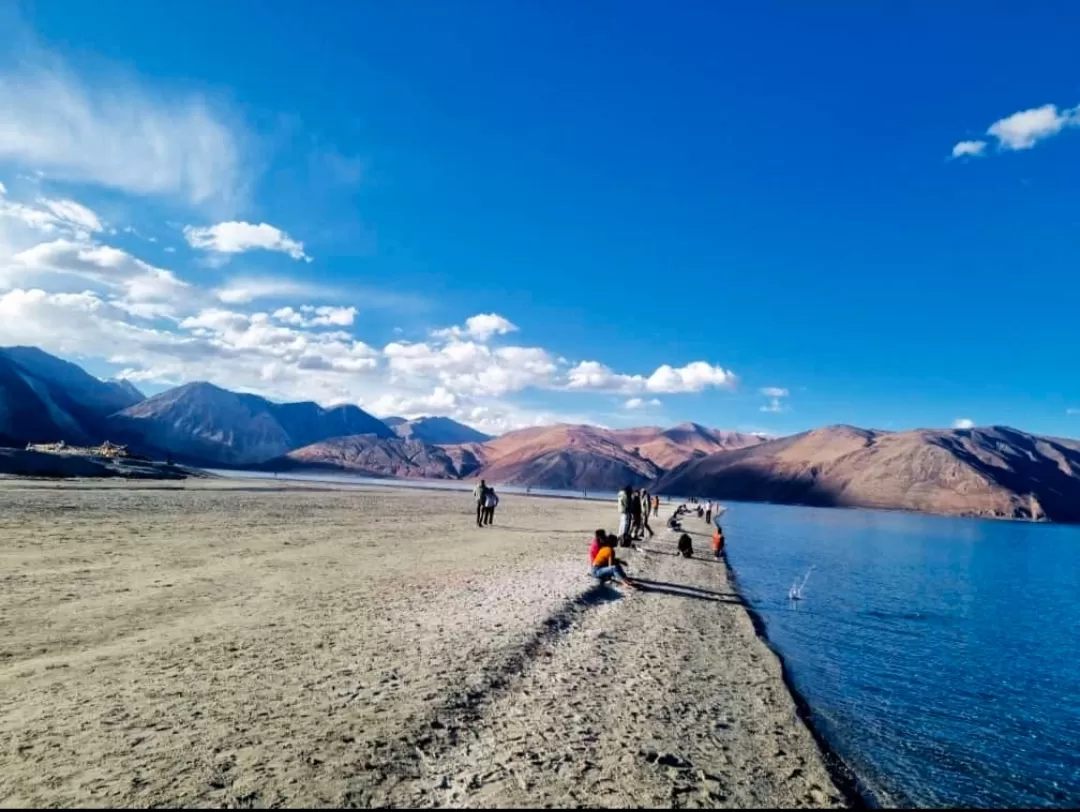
686	546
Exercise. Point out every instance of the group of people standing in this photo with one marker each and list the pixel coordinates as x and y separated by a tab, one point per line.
486	502
635	507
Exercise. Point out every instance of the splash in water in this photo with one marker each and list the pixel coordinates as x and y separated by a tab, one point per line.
796	591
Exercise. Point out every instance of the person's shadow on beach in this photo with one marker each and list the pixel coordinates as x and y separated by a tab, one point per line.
685	591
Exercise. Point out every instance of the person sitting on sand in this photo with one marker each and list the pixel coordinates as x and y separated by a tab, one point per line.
605	566
686	546
597	543
673	521
718	541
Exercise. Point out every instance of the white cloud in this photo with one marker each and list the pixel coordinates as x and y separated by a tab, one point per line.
1022	130
694	377
634	404
236	237
969	148
480	327
963	423
439	401
111	267
244	291
47	215
309	316
471	368
775	394
76	214
118	133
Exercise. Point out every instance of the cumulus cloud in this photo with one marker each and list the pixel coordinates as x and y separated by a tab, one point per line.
309	316
470	367
237	237
118	133
694	377
1022	130
634	404
971	149
480	327
963	423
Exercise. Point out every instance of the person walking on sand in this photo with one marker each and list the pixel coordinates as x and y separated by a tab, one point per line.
718	541
624	516
480	495
708	513
656	506
491	501
646	502
635	515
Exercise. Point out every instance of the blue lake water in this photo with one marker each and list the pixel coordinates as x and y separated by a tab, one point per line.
940	657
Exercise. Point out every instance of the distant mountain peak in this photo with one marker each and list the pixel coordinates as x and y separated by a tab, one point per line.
438	430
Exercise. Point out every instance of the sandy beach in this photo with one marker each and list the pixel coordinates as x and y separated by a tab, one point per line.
251	644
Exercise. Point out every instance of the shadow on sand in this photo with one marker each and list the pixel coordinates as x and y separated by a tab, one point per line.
684	591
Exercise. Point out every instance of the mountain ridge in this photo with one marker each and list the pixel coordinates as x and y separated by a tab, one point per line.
994	471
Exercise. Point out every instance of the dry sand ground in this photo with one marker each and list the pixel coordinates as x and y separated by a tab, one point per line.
243	644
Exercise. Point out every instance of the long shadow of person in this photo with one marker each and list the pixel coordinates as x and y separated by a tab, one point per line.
686	591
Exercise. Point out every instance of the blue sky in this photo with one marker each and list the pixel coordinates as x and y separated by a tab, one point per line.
659	212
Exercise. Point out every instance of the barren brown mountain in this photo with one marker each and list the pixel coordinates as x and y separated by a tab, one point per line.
669	448
564	456
992	472
572	457
369	455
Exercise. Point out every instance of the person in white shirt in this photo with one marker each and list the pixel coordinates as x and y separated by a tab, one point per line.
491	501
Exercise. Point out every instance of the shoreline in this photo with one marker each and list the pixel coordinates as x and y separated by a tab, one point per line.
855	790
323	646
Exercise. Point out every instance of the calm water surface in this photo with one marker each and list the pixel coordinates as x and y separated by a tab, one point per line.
940	657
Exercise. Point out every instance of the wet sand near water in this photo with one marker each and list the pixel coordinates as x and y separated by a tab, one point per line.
251	644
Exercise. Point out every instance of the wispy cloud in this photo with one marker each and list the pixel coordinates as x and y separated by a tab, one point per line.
1072	412
118	132
775	394
635	404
